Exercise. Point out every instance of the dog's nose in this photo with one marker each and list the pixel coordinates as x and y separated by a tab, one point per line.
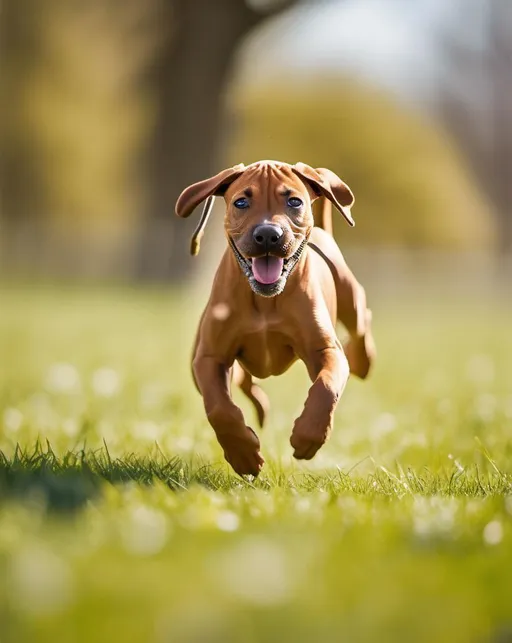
267	235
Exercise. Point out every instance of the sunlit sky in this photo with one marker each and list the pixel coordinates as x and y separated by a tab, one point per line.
395	43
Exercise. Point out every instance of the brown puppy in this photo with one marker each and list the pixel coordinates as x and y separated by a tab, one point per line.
280	287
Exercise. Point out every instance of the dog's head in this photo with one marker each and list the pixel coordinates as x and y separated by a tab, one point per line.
268	215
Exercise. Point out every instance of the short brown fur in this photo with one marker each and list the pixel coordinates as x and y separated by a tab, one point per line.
243	335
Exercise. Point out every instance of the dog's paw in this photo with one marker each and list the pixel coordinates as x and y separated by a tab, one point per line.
307	438
242	451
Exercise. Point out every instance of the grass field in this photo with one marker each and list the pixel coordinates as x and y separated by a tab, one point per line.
119	520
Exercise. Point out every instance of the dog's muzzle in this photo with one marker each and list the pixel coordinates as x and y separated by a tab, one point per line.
267	275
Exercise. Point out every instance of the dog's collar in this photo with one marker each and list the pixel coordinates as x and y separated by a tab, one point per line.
242	262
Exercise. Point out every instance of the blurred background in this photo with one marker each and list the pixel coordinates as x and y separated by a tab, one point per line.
111	107
119	518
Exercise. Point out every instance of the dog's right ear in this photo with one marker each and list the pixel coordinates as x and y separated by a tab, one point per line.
208	189
216	185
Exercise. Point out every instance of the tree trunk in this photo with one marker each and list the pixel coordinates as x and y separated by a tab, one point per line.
483	125
191	78
20	190
501	115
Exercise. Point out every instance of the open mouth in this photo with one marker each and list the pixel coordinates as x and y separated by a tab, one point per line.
267	275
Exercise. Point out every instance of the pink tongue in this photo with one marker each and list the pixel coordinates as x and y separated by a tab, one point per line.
267	270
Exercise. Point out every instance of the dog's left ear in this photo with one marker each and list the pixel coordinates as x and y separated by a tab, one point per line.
326	183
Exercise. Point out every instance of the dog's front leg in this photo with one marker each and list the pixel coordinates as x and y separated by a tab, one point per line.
239	442
329	371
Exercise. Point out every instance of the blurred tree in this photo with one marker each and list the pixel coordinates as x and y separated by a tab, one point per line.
500	72
19	45
73	121
412	188
83	85
476	104
190	76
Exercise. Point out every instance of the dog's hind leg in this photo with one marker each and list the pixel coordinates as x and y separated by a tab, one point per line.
352	310
256	394
354	314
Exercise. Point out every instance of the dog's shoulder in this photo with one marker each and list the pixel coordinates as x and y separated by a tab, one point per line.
324	245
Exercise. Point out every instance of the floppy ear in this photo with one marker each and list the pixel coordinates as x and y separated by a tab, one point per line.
192	196
208	189
326	183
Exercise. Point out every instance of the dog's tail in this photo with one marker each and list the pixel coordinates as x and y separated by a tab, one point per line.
322	213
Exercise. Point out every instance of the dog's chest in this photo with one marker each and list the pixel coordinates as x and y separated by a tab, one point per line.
266	348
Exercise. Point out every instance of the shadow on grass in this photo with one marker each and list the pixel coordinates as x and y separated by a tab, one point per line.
65	484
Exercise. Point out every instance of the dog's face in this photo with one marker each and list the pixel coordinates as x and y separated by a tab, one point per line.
268	215
268	221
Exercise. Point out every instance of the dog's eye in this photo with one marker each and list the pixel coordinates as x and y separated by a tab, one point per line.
241	203
294	202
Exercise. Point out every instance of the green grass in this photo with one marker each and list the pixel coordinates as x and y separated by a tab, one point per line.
120	521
